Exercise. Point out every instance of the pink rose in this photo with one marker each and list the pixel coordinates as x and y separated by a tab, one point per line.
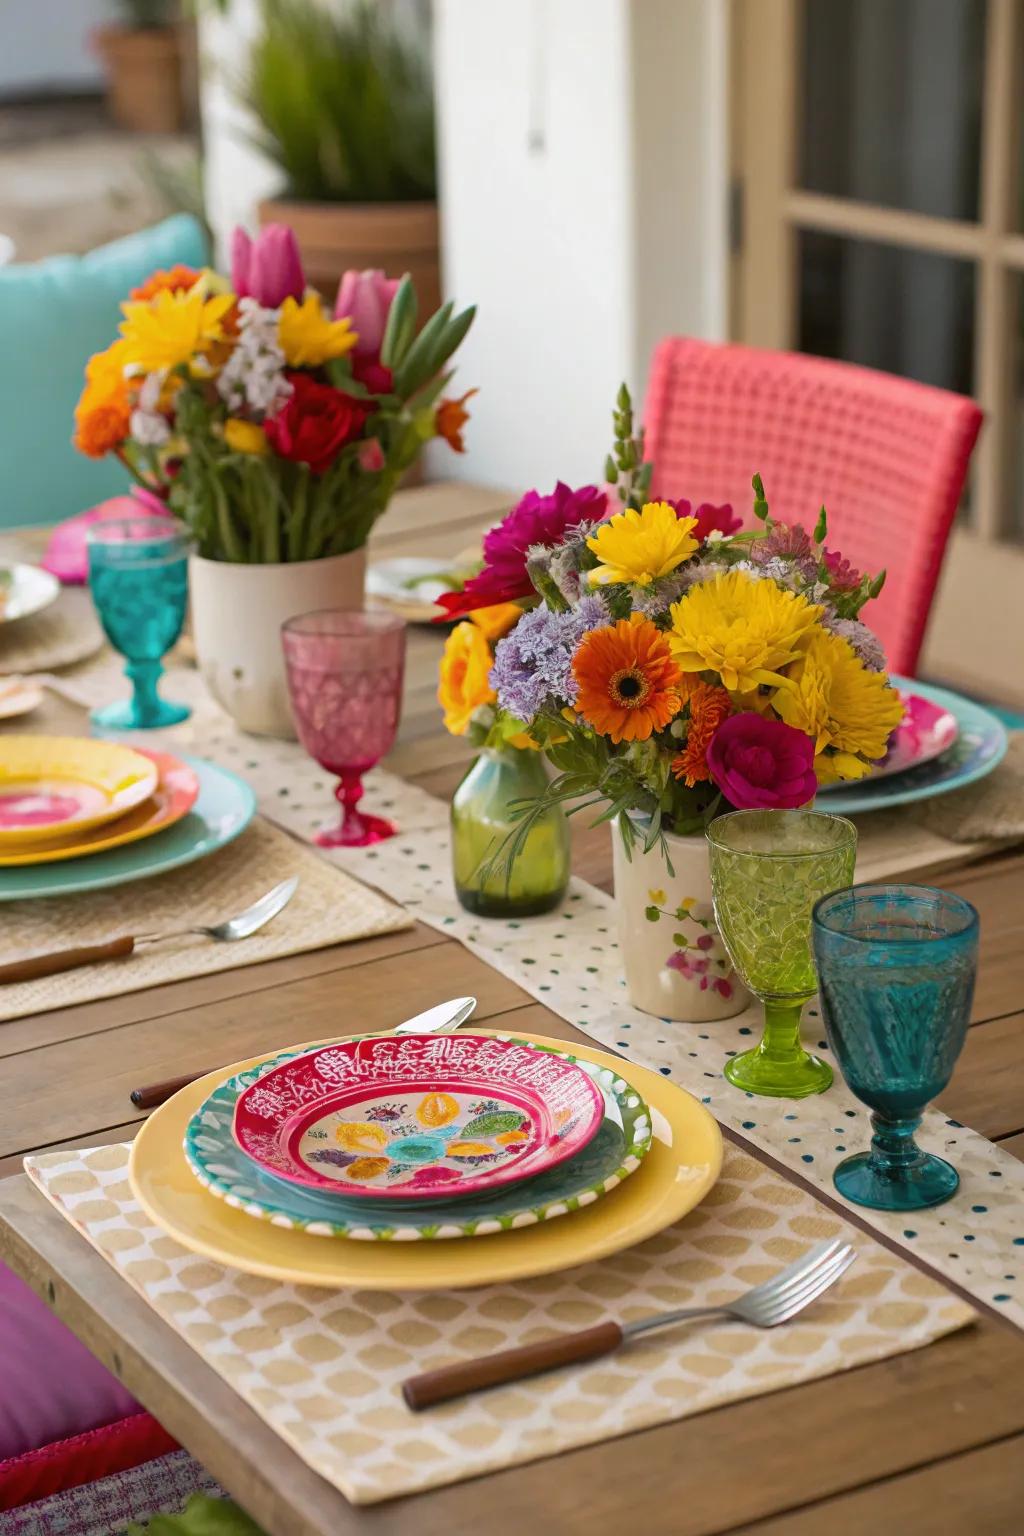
269	268
761	764
366	298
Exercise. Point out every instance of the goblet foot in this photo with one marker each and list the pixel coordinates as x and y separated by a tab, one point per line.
867	1179
356	831
795	1077
128	715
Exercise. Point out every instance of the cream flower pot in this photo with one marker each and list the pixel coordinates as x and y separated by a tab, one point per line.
676	965
237	613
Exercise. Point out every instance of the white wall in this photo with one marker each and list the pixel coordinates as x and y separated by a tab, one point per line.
583	181
45	44
583	166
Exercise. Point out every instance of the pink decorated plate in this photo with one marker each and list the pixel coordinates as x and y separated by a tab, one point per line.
417	1117
925	732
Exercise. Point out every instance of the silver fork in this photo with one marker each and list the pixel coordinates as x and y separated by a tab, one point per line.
766	1306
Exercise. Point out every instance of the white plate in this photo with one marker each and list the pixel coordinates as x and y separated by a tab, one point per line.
388	583
30	588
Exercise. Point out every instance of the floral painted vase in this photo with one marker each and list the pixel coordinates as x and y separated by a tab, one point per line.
482	817
676	964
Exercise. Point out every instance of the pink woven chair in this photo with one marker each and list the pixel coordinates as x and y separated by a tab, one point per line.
887	456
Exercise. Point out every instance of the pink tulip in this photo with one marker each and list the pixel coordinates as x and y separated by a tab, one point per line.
269	268
366	298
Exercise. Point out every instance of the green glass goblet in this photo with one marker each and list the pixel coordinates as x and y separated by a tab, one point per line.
768	868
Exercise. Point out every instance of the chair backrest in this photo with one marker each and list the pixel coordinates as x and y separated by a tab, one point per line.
53	315
887	456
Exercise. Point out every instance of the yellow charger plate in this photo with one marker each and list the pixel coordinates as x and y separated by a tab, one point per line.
682	1166
51	786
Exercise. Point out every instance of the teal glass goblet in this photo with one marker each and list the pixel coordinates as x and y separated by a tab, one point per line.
768	868
138	574
896	968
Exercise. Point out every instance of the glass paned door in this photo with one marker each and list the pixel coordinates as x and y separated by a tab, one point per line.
879	156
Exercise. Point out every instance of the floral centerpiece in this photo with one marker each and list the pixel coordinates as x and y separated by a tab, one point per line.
674	666
277	427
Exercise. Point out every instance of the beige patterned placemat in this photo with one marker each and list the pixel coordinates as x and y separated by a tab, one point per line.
324	1368
58	636
329	907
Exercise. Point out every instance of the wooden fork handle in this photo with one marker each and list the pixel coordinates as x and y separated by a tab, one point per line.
509	1365
65	960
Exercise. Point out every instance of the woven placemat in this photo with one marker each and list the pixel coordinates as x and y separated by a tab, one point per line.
323	1368
329	907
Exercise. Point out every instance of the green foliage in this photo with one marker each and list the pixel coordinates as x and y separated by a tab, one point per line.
625	467
147	15
344	104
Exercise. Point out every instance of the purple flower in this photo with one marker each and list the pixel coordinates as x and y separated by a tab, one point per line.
536	519
533	665
762	764
269	268
863	640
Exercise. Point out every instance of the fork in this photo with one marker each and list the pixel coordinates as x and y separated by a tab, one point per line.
766	1306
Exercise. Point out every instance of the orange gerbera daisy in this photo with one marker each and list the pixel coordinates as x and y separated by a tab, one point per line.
627	680
709	706
170	278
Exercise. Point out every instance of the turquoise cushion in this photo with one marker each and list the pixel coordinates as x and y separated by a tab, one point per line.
54	315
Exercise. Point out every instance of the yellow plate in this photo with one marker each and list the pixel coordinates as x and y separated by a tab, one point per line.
54	785
679	1170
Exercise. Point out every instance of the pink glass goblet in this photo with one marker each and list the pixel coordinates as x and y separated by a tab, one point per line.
345	682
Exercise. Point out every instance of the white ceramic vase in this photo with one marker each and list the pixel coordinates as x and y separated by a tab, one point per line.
676	965
237	613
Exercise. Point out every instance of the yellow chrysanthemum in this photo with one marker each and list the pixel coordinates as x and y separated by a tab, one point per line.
309	337
245	436
173	328
496	621
743	629
463	685
833	698
638	547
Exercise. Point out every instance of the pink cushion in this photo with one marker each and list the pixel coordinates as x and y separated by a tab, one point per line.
66	556
51	1387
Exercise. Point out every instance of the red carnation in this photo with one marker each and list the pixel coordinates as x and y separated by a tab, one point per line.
315	423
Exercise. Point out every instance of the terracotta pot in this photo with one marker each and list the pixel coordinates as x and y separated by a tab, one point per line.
144	77
398	237
691	983
237	613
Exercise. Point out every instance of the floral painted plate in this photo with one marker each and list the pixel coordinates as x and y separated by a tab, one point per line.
417	1117
980	746
622	1140
175	794
53	785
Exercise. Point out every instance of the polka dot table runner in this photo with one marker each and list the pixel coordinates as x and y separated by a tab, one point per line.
323	1368
569	960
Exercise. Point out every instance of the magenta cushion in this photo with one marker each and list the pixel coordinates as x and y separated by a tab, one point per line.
51	1387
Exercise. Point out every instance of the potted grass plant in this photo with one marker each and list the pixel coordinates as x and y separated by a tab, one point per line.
277	428
343	102
142	55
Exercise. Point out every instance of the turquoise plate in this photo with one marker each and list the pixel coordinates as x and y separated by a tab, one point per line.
223	1168
979	747
224	808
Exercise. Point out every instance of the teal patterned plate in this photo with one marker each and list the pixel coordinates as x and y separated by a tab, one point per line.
614	1153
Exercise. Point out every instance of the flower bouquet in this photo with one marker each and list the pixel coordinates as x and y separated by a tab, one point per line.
674	666
277	428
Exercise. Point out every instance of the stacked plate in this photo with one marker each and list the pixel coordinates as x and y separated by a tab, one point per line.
77	813
943	743
544	1157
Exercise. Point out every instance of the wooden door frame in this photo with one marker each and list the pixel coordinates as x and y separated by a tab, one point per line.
966	632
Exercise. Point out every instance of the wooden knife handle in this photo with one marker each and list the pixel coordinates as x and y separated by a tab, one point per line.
65	960
159	1093
510	1365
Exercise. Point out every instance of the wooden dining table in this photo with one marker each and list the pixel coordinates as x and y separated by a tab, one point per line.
930	1441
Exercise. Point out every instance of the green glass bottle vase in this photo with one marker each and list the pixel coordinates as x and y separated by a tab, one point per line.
481	820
